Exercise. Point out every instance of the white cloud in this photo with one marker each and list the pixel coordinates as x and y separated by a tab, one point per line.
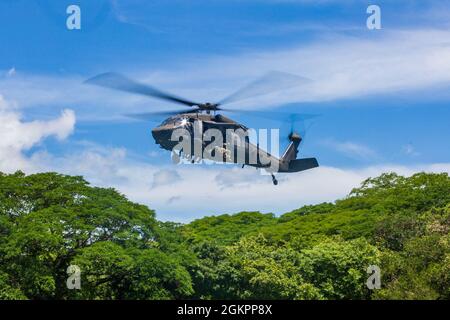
165	177
341	67
352	149
18	136
201	191
346	68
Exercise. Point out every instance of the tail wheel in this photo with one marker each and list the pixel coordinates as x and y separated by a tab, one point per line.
274	180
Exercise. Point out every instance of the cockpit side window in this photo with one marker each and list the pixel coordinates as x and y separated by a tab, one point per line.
168	121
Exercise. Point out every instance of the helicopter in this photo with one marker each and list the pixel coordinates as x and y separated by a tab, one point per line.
191	126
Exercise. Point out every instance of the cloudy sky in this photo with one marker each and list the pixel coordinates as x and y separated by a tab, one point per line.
382	95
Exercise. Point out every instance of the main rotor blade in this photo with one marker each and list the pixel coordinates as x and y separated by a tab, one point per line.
119	82
287	118
151	115
269	83
276	116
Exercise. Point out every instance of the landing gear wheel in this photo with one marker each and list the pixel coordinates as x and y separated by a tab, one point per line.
274	180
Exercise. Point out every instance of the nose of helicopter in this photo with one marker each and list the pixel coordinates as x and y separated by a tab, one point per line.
161	134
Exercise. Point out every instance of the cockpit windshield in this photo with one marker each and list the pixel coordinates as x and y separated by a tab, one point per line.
175	121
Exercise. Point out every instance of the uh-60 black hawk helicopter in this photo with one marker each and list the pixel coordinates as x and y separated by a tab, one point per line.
201	117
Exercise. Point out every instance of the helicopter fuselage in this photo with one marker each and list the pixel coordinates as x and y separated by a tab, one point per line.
214	136
165	136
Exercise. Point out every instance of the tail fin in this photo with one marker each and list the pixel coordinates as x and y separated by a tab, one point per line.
290	157
292	150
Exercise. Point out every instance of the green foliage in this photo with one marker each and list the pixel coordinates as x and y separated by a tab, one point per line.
391	193
346	223
313	209
7	291
50	221
398	223
227	229
422	269
338	268
254	269
117	273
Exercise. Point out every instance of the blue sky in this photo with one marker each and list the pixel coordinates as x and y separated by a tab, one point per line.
382	94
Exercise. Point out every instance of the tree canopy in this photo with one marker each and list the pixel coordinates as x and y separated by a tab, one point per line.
50	221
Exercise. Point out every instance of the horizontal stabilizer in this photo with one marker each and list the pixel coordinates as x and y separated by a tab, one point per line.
302	164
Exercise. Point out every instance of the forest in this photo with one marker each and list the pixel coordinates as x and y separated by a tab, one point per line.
50	221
